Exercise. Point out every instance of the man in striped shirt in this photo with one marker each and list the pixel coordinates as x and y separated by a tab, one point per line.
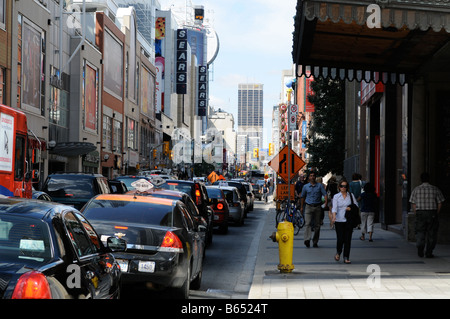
426	201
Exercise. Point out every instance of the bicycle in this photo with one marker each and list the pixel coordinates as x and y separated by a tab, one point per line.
287	211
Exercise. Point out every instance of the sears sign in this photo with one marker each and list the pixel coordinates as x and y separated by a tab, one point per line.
182	61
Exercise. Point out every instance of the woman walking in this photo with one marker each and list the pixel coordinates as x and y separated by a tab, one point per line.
344	229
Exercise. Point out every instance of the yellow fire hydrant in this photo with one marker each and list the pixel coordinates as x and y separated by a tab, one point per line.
285	238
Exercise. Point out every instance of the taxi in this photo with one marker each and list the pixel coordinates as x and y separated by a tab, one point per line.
164	248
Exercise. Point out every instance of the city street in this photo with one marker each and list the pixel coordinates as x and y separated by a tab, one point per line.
229	263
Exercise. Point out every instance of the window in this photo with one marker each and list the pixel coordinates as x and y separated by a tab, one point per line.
107	133
81	242
131	134
2	13
2	84
19	161
118	136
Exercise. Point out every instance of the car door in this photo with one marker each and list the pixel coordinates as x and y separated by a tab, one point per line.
197	243
93	269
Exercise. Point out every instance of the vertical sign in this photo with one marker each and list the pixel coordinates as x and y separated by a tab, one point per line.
182	62
202	90
293	117
309	107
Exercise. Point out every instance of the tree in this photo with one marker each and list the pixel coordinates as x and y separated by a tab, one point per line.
326	138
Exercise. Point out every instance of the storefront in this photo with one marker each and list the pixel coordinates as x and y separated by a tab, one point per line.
405	47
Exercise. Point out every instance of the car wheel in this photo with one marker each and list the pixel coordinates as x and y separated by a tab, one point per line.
183	291
197	282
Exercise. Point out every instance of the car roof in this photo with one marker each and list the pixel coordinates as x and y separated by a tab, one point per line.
159	191
30	207
134	198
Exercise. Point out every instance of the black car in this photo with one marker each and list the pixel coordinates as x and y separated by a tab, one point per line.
199	222
241	189
75	189
50	251
257	191
164	249
198	193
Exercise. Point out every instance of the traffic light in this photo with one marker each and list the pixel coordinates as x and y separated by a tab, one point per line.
256	153
154	153
270	149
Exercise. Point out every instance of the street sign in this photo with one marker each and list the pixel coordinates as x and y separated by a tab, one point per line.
280	163
283	191
293	117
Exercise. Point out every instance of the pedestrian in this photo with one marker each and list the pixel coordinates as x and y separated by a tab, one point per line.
369	207
265	192
426	201
344	229
298	188
319	180
356	188
332	189
312	196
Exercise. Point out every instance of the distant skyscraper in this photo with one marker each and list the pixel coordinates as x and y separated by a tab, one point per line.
250	114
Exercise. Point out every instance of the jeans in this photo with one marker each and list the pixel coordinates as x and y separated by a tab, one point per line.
427	225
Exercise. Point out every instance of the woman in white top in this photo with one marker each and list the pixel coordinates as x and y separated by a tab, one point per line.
344	230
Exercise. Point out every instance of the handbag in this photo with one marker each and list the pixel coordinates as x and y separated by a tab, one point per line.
352	216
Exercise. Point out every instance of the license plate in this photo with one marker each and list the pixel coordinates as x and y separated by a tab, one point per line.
123	264
146	266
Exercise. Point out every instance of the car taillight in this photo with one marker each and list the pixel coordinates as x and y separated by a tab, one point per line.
220	206
32	285
172	243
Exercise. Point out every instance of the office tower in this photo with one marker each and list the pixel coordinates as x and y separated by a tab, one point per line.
250	114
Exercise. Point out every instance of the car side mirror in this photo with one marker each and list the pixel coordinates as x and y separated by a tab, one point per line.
116	244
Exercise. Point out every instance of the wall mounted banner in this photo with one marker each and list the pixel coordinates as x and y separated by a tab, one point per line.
202	90
182	63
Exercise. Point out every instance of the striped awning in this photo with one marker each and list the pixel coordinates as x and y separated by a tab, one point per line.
369	40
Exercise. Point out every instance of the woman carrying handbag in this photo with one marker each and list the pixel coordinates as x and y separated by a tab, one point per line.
344	229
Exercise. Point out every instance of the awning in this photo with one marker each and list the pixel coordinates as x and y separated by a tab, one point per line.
72	149
332	38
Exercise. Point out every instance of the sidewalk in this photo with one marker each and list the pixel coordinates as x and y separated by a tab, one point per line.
402	274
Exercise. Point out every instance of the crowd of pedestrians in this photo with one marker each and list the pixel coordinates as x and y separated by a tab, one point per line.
314	199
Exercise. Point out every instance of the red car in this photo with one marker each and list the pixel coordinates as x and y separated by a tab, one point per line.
220	207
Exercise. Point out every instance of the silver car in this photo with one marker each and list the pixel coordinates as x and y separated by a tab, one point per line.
236	205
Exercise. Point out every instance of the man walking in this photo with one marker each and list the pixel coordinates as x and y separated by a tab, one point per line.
312	195
426	201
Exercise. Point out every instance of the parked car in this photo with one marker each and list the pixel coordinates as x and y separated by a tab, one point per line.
220	207
164	248
199	222
241	189
236	205
75	189
250	195
257	191
199	195
51	251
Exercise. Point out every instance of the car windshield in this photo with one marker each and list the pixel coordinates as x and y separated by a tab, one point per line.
24	239
129	212
70	187
214	193
175	186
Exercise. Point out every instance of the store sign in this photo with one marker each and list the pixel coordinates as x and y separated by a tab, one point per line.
182	61
202	90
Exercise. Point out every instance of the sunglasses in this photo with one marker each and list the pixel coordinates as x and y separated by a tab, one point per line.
343	186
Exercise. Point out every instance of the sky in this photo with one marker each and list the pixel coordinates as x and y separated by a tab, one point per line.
255	46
